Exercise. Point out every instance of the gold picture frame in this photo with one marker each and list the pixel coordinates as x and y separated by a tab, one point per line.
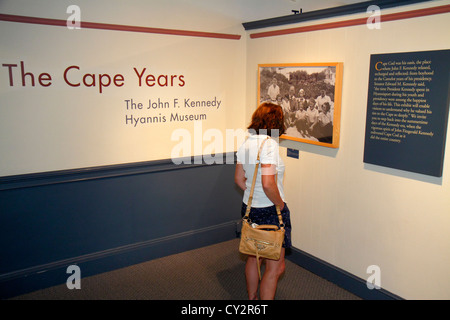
310	95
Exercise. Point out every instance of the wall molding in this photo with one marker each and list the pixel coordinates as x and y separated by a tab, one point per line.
118	27
116	251
360	7
54	273
108	171
338	276
355	22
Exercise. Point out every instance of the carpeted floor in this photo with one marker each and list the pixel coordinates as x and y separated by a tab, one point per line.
211	273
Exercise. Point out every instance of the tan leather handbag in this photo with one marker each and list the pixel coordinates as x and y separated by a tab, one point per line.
262	241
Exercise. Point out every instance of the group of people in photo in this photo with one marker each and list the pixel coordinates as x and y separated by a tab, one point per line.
305	117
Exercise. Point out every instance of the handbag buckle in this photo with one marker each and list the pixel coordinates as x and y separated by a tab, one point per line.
247	219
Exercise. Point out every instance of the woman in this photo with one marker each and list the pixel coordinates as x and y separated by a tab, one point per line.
267	122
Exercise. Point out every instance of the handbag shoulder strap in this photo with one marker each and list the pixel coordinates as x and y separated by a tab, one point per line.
250	197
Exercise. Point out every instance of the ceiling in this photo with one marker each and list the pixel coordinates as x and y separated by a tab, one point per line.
258	9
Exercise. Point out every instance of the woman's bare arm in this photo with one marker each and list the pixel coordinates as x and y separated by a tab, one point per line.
270	185
239	176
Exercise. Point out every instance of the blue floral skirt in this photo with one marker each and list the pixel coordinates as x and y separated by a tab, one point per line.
268	215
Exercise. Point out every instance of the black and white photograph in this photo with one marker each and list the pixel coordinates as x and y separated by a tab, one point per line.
310	97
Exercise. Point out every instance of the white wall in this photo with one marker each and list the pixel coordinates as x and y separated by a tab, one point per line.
63	127
352	214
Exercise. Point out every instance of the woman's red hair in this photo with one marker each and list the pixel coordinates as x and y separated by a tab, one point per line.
267	117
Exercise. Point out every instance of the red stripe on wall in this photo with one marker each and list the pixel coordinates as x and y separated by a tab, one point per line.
118	27
355	22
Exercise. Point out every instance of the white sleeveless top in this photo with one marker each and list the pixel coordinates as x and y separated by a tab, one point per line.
247	154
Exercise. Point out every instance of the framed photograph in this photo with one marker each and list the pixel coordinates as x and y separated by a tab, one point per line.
310	95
